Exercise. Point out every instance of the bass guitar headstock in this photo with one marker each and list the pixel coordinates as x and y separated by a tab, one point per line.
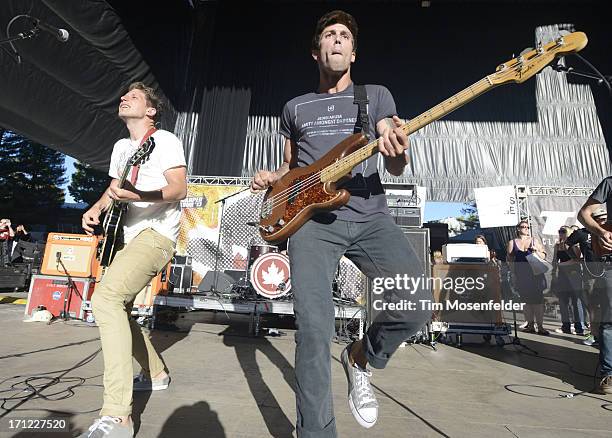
529	63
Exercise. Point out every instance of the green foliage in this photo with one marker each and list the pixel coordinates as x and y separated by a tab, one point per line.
470	215
31	176
87	184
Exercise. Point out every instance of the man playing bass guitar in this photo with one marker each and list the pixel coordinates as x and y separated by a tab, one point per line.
363	230
601	240
150	228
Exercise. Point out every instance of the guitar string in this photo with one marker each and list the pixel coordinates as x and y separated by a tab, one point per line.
282	196
144	150
361	154
279	198
312	180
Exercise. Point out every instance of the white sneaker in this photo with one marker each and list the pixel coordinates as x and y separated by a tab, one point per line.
142	383
361	398
108	427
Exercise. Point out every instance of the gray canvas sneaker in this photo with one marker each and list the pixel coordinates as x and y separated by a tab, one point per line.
108	427
142	383
361	398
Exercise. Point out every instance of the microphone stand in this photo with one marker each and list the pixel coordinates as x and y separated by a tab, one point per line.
65	315
31	33
213	287
599	77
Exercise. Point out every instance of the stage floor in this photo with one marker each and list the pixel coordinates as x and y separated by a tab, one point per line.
227	384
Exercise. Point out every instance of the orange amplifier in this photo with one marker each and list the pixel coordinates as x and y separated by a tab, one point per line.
76	251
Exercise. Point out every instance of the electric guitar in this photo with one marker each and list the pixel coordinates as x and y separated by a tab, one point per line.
305	191
111	225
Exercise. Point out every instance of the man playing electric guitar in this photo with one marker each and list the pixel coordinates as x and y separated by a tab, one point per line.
362	230
151	226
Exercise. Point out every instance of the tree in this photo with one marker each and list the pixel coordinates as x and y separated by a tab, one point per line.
31	176
87	184
470	214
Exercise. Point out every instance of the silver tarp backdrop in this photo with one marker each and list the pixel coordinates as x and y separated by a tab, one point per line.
564	147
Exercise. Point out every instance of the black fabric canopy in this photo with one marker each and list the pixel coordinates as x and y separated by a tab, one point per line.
65	95
219	62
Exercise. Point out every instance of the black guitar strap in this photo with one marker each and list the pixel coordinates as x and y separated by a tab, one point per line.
358	186
361	99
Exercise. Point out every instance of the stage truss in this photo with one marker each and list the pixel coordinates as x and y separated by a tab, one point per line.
524	192
217	233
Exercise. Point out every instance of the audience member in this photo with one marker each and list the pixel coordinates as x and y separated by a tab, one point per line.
567	282
530	287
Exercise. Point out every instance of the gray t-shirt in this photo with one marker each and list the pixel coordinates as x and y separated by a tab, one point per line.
317	122
603	195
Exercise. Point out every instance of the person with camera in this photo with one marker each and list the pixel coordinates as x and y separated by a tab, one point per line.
6	236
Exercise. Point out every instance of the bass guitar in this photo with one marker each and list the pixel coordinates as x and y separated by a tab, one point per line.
305	191
112	229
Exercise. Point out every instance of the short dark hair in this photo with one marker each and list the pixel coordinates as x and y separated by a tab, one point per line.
153	100
334	17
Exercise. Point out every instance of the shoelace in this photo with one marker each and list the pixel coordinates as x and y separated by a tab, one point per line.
364	390
103	424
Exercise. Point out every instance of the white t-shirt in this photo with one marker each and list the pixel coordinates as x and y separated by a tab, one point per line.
163	217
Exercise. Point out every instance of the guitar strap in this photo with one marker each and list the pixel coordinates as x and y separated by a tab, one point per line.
361	99
135	169
358	186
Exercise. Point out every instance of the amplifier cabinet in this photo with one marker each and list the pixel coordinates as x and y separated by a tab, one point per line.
50	292
464	285
76	251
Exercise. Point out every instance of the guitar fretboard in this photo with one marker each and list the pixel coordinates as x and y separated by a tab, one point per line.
342	167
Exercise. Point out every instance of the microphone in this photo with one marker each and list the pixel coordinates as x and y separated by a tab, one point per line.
61	34
58	256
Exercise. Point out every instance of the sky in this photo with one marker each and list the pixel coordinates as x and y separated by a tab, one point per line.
441	210
433	210
69	164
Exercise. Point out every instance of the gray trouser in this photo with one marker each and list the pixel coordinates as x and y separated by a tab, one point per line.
379	249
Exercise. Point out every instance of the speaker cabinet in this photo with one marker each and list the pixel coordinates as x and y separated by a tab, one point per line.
418	239
181	273
76	251
51	291
451	286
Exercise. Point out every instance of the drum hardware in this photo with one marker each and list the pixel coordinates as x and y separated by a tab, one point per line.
256	251
270	275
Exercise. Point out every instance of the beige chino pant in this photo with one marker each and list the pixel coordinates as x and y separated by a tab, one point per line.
131	270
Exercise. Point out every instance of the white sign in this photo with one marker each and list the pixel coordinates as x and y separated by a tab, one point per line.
497	206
